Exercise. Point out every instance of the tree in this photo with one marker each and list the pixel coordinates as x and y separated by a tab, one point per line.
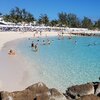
43	19
54	22
17	15
87	23
7	18
73	21
97	24
62	19
0	14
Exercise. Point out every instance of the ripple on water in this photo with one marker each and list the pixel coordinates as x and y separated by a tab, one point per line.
64	62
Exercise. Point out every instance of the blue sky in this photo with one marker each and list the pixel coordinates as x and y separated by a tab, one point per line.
89	8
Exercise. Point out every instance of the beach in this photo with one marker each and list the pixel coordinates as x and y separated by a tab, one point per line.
17	73
14	69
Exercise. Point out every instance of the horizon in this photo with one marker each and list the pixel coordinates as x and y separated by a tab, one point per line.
52	8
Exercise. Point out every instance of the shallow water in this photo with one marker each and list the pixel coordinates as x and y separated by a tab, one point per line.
64	62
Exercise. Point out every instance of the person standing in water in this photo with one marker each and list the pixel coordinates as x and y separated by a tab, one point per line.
32	44
36	47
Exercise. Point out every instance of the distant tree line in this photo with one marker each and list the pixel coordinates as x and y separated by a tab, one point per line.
18	15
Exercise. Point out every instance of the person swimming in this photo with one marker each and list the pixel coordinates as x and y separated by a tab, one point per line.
48	41
44	42
38	40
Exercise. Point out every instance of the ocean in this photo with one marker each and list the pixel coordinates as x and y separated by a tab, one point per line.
64	62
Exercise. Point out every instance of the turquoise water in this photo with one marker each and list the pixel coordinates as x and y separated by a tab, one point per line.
64	62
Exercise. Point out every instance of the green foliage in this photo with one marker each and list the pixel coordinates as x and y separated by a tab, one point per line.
19	15
73	21
87	23
54	23
0	14
43	19
97	24
62	19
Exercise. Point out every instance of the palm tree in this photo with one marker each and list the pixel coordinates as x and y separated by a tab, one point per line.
0	14
97	24
43	19
62	19
73	21
87	23
17	15
30	18
54	22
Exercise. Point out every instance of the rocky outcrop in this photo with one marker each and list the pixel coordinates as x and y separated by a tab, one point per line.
89	97
37	91
88	90
56	95
97	92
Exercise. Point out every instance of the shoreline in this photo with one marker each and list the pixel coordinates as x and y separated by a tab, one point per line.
13	70
11	65
9	36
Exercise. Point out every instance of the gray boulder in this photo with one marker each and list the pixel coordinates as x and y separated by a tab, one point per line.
80	90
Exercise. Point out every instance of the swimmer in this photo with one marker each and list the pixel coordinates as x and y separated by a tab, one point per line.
48	41
44	42
94	43
89	44
38	40
75	42
69	37
28	38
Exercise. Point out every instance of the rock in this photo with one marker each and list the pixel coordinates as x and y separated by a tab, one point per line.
98	90
38	88
89	97
80	90
38	91
56	95
5	96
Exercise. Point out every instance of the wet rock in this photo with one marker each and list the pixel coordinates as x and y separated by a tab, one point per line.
89	97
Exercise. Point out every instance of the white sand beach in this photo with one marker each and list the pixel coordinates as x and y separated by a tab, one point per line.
14	69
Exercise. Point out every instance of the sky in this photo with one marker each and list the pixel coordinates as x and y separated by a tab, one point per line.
88	8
